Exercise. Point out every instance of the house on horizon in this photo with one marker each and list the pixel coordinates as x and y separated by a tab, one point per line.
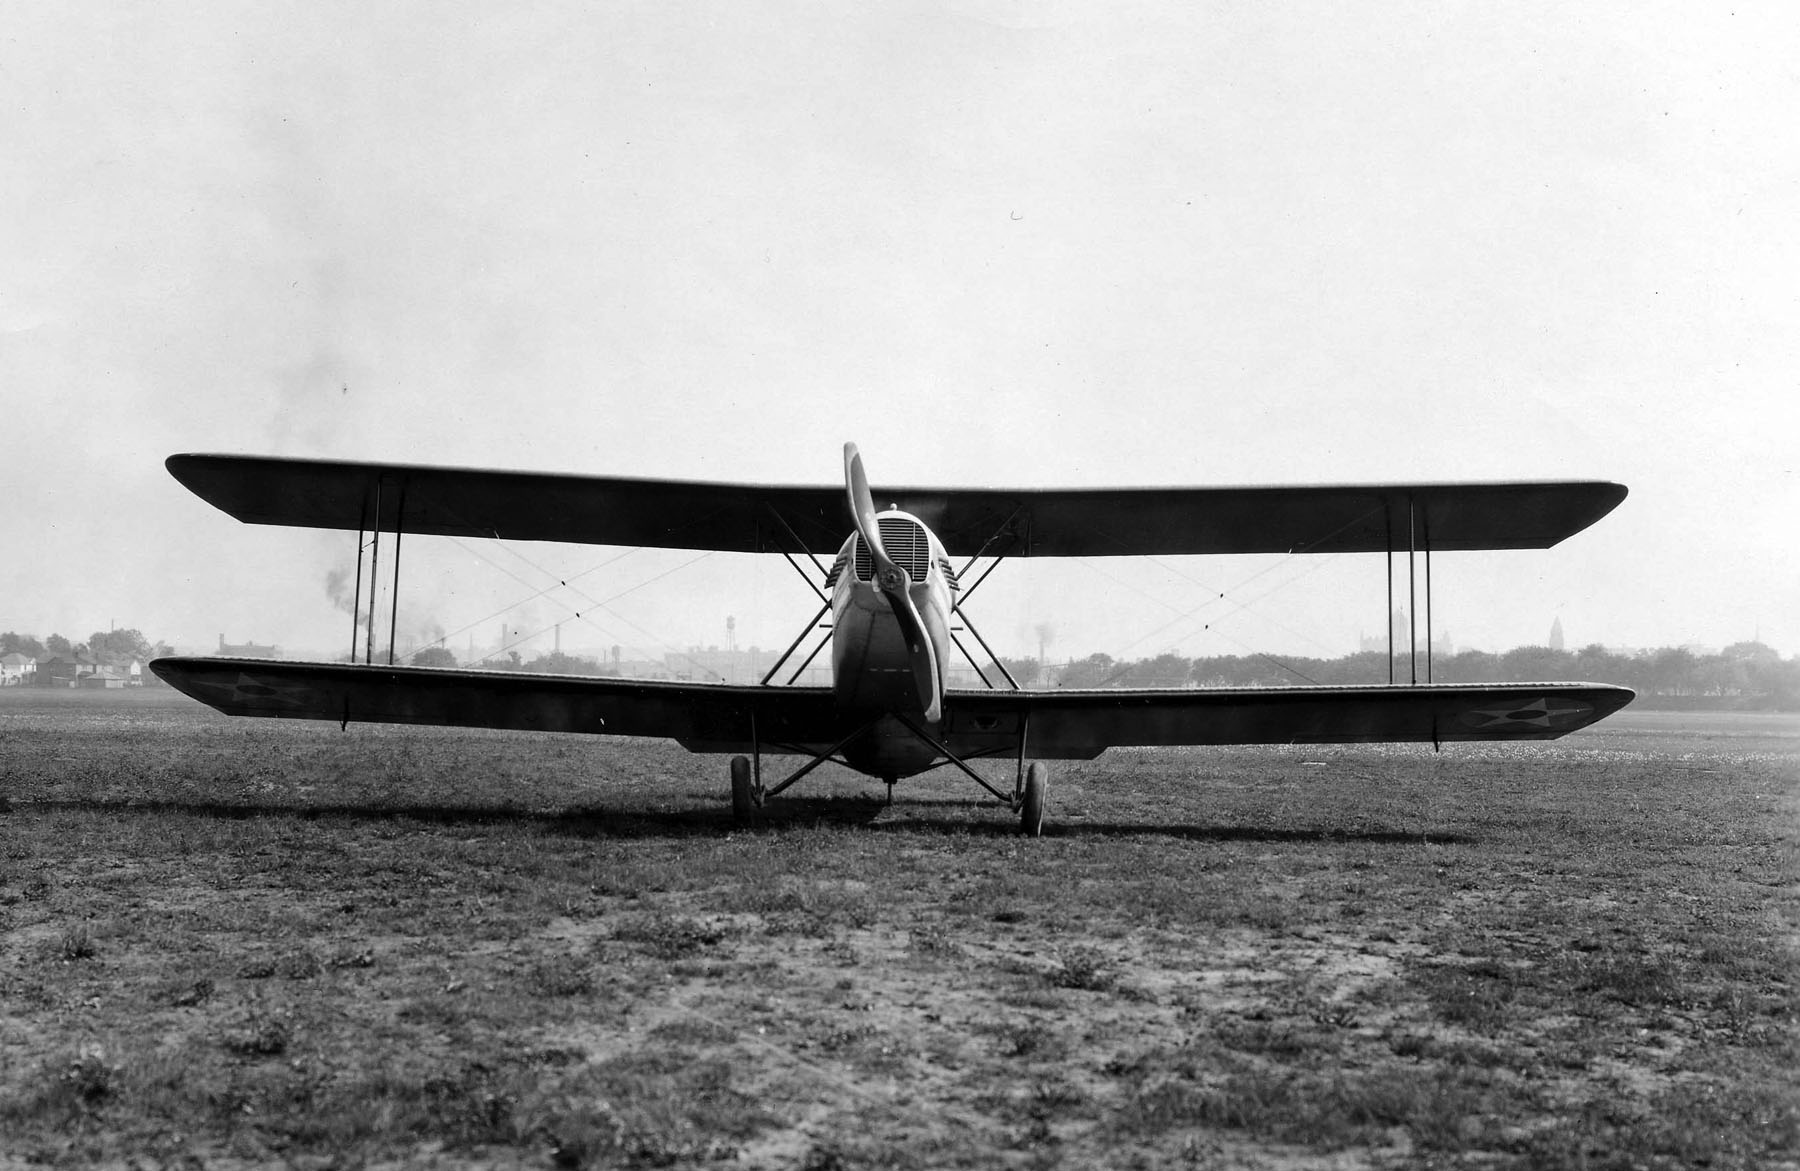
64	670
247	650
103	676
17	669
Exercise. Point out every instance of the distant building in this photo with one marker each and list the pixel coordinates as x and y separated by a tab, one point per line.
1441	646
17	668
247	650
1398	629
64	670
713	665
640	668
1556	634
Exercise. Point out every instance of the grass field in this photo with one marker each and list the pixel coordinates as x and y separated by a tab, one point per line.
246	942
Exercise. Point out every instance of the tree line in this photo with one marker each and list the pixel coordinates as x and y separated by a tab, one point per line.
112	648
1741	670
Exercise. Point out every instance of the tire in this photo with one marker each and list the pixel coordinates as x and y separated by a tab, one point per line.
1031	809
743	795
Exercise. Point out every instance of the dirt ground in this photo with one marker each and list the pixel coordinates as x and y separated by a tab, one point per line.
236	943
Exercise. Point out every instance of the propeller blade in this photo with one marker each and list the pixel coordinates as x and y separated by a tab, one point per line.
924	654
896	584
862	503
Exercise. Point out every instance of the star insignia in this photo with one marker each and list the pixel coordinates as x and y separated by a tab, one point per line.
248	691
1537	714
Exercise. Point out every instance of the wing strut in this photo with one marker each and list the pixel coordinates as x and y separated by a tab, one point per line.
994	658
394	599
807	662
782	549
1387	618
372	526
969	590
810	584
970	659
1418	540
1412	600
795	645
356	596
374	569
1425	526
958	611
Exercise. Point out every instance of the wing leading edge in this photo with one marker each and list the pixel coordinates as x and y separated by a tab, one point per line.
1067	522
1069	725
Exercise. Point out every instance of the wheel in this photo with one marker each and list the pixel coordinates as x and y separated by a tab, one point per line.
1031	809
743	791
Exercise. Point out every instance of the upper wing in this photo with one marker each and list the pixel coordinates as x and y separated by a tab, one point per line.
1065	522
1079	725
700	712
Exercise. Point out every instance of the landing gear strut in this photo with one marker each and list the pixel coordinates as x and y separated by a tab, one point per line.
745	794
1032	795
1030	792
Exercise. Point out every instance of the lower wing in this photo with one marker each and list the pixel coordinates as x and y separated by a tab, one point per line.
1078	725
698	712
1068	725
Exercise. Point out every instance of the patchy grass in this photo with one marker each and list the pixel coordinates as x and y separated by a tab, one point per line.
266	942
76	943
1082	967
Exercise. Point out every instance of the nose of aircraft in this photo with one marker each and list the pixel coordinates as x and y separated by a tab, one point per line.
895	584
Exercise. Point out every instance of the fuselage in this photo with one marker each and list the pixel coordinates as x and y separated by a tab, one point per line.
872	669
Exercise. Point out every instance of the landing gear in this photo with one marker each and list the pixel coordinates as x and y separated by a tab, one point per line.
1031	800
1029	795
744	797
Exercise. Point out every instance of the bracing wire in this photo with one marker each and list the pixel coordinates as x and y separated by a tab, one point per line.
462	630
592	602
1237	606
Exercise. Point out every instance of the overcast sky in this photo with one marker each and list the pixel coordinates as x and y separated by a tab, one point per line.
993	242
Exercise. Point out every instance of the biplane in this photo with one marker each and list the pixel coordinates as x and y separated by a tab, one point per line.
897	603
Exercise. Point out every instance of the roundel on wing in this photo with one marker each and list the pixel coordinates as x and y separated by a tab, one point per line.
250	692
1543	712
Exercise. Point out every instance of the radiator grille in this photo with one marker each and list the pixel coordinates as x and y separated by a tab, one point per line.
906	544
